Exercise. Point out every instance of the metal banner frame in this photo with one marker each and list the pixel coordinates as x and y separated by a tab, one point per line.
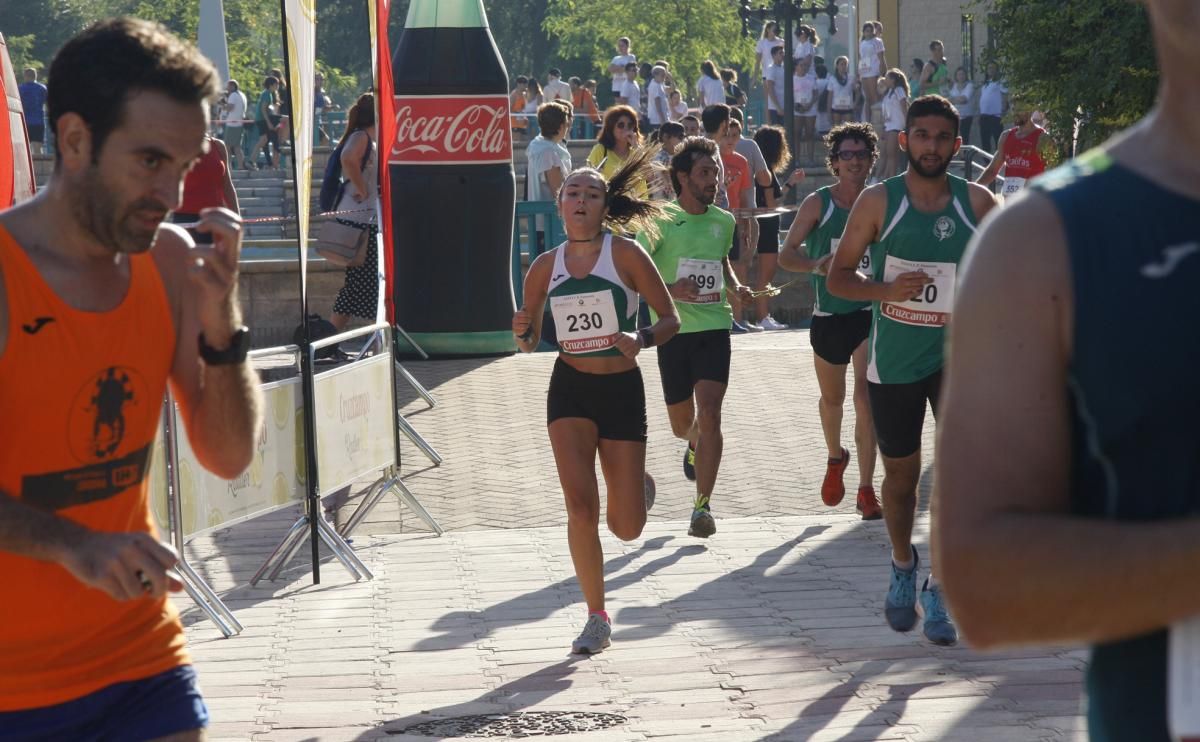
312	522
200	591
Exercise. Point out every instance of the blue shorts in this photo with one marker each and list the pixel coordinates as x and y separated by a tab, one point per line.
134	711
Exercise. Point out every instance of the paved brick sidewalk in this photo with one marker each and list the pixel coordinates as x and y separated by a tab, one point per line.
770	630
490	425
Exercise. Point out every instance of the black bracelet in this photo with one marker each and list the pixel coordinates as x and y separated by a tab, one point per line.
527	334
647	336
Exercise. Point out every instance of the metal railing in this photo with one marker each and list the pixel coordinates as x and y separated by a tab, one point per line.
528	241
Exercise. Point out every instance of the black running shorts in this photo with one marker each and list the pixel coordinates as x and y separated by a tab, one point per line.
899	413
835	337
616	403
691	357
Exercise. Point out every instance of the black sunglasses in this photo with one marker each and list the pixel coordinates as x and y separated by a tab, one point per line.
847	155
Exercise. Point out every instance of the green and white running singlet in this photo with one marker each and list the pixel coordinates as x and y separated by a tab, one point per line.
908	338
589	311
695	245
824	240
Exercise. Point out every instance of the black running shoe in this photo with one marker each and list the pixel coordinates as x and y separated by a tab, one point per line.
689	463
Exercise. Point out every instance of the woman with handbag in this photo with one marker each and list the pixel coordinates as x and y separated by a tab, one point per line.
359	296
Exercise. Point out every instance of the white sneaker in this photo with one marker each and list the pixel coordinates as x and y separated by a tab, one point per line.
752	327
769	323
595	636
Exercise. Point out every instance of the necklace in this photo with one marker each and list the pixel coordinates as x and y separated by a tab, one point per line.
589	239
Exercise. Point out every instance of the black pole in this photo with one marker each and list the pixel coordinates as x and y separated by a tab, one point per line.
788	12
312	500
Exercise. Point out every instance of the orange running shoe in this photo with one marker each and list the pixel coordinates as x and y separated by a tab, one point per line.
868	504
832	489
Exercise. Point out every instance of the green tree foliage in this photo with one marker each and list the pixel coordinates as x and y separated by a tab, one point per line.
517	27
1090	55
683	32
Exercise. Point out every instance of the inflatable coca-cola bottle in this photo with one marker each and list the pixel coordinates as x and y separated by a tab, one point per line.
452	185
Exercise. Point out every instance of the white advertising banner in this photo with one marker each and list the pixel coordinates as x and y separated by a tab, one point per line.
275	476
300	22
355	424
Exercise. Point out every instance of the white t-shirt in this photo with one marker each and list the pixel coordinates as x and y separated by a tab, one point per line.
763	49
556	90
679	110
868	57
544	155
631	92
893	114
711	90
774	78
991	98
656	92
802	50
618	78
966	90
237	109
841	97
804	93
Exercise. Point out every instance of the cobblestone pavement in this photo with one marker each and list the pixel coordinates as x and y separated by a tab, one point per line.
772	629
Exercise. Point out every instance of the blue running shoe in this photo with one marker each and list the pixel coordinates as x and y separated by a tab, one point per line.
738	328
939	629
900	607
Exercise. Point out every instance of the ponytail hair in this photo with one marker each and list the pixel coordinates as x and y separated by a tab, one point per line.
627	209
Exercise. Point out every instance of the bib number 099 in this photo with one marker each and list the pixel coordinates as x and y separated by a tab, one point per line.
705	281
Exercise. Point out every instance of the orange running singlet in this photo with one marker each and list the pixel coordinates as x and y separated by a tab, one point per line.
81	396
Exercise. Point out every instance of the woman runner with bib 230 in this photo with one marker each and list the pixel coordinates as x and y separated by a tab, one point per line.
597	402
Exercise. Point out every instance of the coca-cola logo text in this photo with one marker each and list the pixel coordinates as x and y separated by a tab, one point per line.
440	130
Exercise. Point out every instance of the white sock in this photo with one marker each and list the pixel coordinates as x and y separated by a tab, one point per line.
905	566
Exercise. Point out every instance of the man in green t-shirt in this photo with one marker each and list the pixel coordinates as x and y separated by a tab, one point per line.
916	225
691	252
264	109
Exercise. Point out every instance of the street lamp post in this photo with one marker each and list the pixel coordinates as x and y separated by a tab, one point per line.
788	12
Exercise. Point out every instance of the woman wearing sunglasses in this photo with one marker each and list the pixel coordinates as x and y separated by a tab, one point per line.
839	327
618	137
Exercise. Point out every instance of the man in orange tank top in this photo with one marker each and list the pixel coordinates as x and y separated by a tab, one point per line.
1024	151
101	305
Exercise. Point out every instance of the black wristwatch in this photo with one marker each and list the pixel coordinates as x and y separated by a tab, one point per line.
239	346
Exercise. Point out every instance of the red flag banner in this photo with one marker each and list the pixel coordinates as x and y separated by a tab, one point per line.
385	130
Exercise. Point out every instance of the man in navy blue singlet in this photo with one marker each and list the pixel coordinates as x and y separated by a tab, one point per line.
1068	467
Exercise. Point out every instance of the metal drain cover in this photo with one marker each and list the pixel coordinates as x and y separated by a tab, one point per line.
516	724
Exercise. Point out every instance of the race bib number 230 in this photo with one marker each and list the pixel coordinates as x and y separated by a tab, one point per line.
585	322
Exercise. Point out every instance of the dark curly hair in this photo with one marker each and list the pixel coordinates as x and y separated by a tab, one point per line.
686	154
102	67
858	131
